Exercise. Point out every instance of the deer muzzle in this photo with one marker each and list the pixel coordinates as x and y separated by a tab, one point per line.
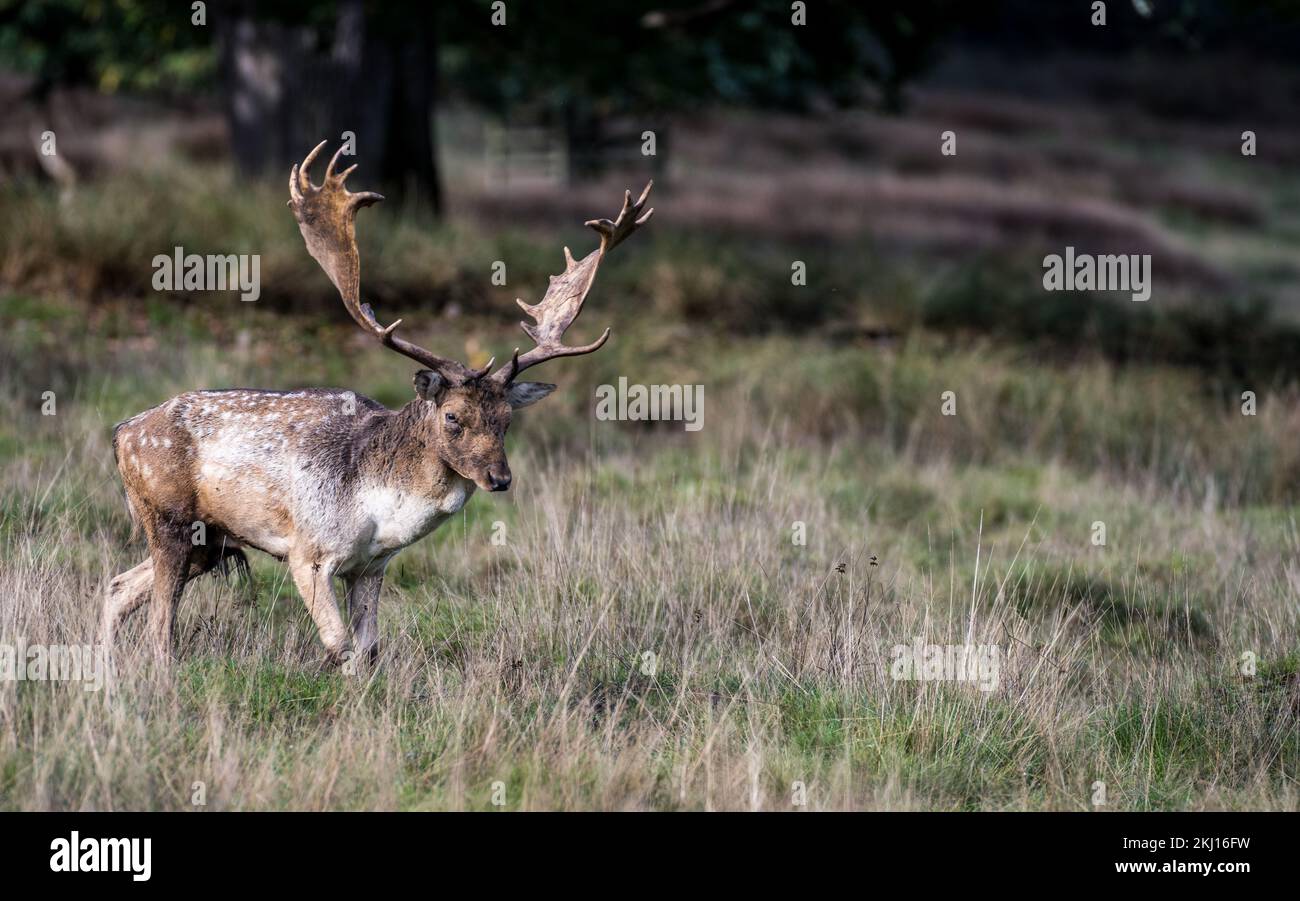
498	477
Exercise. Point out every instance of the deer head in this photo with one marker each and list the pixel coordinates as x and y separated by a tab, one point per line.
465	412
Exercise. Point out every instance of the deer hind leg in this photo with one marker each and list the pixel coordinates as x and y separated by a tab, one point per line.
171	568
314	579
126	592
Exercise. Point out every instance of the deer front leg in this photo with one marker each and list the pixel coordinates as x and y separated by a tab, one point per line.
363	606
314	578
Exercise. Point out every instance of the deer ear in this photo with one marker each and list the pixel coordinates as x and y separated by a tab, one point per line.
428	385
522	394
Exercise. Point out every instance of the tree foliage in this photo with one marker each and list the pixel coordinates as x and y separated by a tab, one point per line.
137	45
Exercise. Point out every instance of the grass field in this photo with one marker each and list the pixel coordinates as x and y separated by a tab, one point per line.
650	635
523	664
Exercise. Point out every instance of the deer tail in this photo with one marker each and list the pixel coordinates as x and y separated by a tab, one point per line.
130	509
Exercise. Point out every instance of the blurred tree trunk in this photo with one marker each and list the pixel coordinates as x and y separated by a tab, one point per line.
584	139
283	93
411	151
593	139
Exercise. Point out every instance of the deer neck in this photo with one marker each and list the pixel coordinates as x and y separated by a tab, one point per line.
402	454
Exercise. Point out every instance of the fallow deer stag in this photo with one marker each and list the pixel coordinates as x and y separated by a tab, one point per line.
332	482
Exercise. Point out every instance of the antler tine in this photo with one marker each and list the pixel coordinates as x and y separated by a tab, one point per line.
329	170
299	180
474	374
564	298
327	219
629	219
513	369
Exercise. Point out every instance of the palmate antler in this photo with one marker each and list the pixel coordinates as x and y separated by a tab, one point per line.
326	217
564	298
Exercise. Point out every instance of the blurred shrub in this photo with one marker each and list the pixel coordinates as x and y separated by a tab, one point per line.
1235	338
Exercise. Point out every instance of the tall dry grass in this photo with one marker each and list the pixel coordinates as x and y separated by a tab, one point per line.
519	672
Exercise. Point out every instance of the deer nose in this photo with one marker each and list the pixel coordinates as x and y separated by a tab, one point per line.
499	478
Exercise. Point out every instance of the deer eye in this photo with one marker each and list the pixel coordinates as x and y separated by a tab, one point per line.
451	418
